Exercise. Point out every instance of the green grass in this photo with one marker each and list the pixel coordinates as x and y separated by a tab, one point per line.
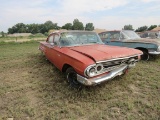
23	38
32	88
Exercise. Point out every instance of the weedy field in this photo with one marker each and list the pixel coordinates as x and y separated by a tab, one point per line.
23	38
31	88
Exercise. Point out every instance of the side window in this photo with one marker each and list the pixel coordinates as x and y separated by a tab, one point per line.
122	37
116	36
50	39
100	35
107	35
56	39
103	35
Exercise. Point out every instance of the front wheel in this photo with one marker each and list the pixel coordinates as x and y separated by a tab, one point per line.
145	56
71	76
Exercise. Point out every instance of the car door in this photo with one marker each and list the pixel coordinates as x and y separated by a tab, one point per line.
54	52
48	46
126	42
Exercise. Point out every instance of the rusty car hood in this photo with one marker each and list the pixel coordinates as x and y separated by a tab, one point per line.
105	52
145	40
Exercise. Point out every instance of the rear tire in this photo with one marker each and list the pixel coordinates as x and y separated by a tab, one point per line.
145	56
71	77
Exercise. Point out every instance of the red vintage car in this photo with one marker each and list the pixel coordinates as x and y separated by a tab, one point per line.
85	59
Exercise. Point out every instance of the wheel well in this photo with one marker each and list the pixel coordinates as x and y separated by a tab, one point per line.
65	67
142	49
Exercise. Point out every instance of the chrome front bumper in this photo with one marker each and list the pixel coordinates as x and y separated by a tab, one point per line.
154	53
102	78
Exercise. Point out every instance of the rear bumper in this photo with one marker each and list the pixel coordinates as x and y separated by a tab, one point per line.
154	53
102	78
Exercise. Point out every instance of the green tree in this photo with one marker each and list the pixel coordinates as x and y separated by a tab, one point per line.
128	27
10	31
67	26
141	29
77	25
50	25
18	28
33	28
89	27
41	28
152	27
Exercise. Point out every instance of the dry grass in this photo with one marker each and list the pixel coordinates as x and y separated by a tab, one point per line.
23	39
31	88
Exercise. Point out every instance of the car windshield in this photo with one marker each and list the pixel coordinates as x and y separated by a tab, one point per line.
152	35
129	34
79	38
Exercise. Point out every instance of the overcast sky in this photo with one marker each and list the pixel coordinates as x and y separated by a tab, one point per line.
105	14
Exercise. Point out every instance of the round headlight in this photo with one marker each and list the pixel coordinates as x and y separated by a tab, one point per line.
92	72
99	67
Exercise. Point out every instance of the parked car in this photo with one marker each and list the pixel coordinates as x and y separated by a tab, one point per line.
127	38
150	34
85	59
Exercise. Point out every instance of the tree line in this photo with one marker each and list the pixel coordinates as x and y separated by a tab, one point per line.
140	29
48	25
76	25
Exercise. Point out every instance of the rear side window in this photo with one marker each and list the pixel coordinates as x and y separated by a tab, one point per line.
56	39
50	39
105	35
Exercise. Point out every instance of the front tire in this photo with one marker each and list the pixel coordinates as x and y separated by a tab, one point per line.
145	56
71	77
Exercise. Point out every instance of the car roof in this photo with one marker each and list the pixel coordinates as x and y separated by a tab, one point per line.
110	31
114	31
63	31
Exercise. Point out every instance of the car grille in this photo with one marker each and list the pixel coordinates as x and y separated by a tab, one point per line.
111	65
